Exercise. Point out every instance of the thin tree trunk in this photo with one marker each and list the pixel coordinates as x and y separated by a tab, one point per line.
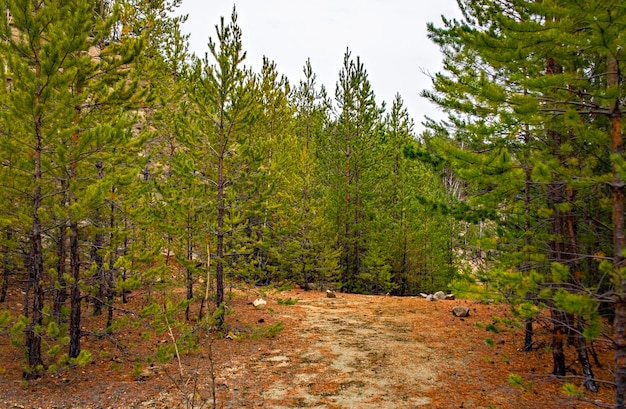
60	294
583	357
110	279
528	327
207	288
528	335
36	270
189	262
96	255
7	266
221	212
558	342
125	252
75	298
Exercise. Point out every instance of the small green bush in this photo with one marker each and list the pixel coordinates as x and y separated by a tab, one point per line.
287	301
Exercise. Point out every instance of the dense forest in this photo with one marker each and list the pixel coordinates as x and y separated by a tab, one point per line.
124	158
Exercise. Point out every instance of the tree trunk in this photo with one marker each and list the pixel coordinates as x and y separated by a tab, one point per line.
110	274
560	249
60	294
583	357
528	327
98	260
75	298
36	270
125	252
96	255
221	213
7	266
617	187
558	342
620	349
189	268
528	335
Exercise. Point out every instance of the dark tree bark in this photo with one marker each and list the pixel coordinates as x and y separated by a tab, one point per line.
559	334
125	252
528	326
221	213
36	271
7	266
189	262
96	255
528	335
60	293
75	296
583	357
110	274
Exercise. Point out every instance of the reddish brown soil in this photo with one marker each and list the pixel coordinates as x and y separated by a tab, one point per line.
353	351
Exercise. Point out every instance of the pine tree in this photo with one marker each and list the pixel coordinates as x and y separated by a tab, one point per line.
268	158
53	106
307	244
554	114
222	98
413	236
347	155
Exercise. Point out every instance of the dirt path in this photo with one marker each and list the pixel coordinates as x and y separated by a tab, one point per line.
349	352
352	359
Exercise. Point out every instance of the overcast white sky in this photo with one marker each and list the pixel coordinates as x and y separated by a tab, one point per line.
389	36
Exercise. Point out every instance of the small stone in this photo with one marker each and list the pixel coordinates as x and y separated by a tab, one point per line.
260	304
440	295
330	294
460	311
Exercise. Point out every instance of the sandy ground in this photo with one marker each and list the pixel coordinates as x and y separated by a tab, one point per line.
349	352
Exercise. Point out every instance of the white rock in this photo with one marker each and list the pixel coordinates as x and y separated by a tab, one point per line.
330	294
440	295
260	304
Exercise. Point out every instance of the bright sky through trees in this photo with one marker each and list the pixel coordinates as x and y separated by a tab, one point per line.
388	36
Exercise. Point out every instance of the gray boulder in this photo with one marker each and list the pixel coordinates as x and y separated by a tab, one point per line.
460	311
440	295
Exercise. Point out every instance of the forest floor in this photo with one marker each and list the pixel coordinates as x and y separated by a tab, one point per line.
353	351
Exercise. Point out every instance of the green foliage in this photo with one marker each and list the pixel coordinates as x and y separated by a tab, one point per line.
268	331
286	287
571	390
516	381
17	330
5	319
53	329
491	327
287	301
560	273
521	138
527	310
217	315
